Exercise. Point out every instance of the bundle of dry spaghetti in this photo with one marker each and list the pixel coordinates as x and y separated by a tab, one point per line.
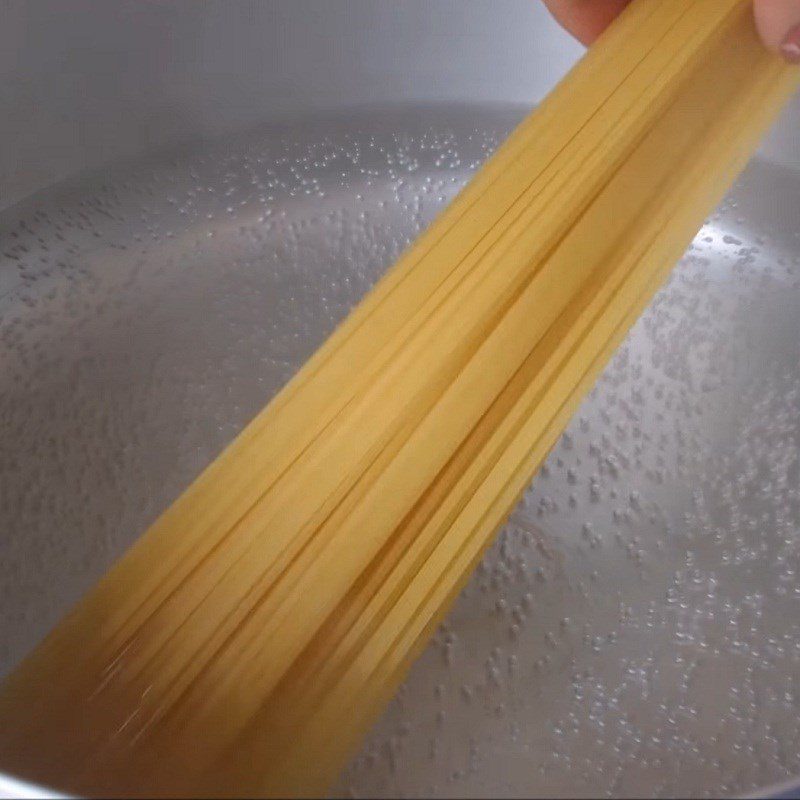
250	637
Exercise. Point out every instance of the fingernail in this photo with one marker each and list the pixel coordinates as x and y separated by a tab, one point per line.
790	47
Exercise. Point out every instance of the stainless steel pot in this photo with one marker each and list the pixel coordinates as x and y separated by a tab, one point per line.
194	193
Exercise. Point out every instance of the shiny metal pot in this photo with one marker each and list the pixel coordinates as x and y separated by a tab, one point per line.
194	193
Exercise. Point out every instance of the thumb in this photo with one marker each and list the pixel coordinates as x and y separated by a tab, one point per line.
778	23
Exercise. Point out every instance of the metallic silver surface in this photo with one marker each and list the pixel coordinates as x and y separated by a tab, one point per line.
634	631
88	82
91	82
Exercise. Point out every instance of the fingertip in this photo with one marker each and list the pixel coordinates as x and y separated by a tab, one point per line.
778	24
585	19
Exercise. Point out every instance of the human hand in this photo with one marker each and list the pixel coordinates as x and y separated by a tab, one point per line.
778	21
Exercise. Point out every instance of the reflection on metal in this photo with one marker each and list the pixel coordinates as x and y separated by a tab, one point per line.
635	630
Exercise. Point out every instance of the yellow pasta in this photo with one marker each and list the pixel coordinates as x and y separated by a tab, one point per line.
249	638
